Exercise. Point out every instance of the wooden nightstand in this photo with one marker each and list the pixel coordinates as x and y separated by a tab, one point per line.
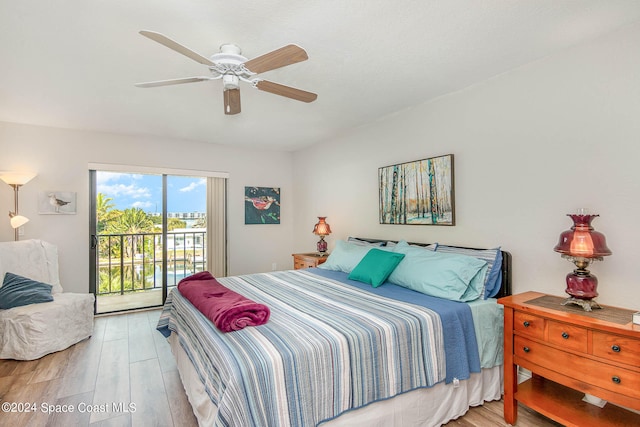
308	260
570	352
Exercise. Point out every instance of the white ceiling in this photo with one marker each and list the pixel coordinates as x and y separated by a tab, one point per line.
73	63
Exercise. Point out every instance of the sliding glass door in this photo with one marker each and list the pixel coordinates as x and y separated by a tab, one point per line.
148	231
186	238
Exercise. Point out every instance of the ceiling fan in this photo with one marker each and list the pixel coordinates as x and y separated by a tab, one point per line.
231	67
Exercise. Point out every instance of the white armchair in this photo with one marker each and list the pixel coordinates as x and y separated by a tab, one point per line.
31	331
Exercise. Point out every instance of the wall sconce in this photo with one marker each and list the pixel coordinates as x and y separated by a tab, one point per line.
16	180
322	229
582	245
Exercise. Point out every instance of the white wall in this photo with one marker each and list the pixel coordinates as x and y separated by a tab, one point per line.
61	157
530	146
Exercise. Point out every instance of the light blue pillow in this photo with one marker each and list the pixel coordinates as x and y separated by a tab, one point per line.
345	256
449	276
375	267
493	257
475	290
17	291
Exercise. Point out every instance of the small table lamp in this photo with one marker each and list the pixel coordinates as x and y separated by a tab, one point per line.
582	245
322	229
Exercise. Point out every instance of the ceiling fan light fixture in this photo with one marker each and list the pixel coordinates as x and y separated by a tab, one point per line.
230	81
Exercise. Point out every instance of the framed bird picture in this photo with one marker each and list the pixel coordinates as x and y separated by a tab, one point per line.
56	202
261	205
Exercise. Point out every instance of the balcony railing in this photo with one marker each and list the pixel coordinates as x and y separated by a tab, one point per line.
134	262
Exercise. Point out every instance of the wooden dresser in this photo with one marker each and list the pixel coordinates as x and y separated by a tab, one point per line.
308	260
570	352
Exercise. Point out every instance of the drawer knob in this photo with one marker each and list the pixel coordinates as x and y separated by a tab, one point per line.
616	380
615	348
565	335
526	324
526	349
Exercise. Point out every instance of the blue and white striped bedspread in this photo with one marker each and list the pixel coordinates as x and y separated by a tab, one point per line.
327	348
460	341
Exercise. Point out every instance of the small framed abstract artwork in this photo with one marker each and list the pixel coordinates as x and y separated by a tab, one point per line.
417	193
261	205
56	202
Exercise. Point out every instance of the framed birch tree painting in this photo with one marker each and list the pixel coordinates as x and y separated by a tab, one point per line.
417	193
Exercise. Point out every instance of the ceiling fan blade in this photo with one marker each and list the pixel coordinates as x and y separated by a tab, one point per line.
164	40
286	55
287	91
173	82
232	101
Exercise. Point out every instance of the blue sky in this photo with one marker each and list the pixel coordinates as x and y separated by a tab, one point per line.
184	194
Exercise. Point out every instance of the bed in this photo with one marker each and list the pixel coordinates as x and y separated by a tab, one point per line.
340	352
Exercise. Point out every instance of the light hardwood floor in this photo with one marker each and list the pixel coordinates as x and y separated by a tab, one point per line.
127	362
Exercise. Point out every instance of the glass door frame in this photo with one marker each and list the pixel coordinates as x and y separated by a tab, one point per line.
94	168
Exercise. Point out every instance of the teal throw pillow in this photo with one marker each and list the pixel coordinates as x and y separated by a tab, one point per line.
375	267
17	291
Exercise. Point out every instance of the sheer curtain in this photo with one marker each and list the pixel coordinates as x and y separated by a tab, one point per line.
217	226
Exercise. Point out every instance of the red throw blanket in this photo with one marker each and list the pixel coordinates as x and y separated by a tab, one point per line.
228	310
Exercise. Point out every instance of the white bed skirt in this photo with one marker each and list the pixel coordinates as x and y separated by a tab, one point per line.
424	407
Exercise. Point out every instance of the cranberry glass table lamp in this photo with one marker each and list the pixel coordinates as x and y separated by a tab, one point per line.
322	229
582	245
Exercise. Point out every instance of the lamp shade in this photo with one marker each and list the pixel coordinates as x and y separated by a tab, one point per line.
322	228
582	240
18	221
16	178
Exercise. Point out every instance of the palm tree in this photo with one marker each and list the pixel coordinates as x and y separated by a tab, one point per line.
106	215
135	220
105	212
132	221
